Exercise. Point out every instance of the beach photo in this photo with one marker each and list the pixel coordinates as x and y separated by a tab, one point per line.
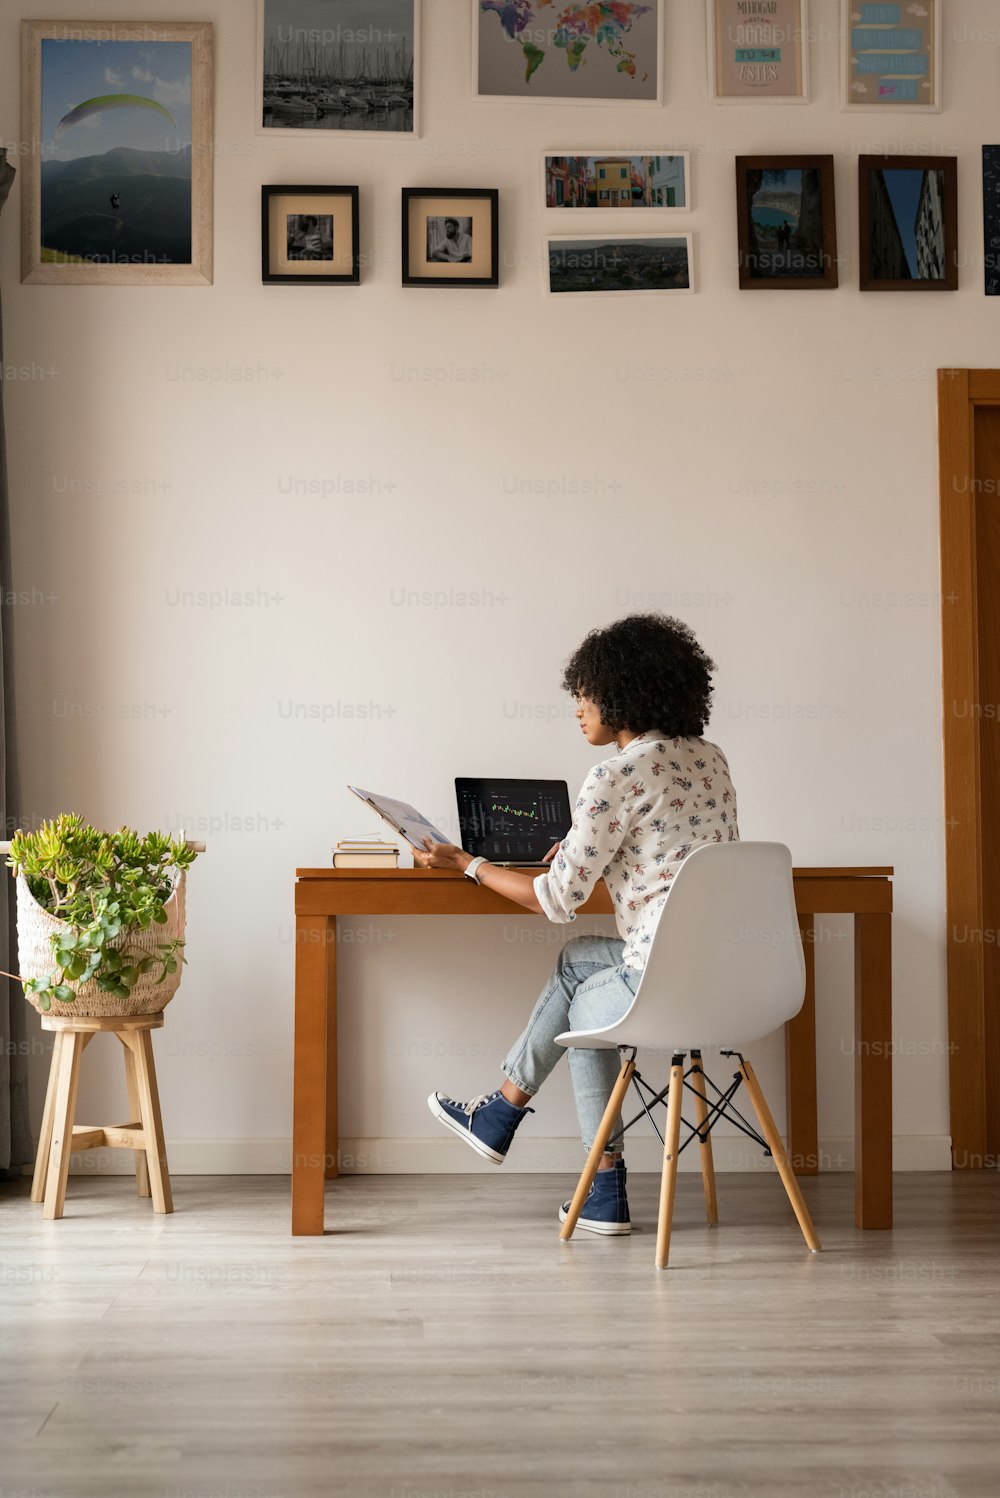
348	67
787	236
622	264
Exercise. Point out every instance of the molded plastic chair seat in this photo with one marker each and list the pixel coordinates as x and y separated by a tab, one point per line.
725	968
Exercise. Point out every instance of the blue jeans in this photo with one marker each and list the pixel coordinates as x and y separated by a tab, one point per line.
589	987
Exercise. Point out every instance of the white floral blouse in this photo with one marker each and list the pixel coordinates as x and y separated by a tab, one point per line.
637	817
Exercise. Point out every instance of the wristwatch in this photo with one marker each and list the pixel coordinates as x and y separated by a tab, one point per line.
472	869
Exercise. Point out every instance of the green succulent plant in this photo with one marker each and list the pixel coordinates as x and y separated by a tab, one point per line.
103	885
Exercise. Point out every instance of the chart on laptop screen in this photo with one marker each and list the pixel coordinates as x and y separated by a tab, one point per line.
512	820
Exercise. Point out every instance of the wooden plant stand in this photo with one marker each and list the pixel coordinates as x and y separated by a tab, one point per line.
144	1133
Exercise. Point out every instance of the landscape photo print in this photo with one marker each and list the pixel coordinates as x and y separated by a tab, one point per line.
619	264
570	51
787	226
118	184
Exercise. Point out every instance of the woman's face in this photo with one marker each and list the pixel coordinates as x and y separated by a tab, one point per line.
589	717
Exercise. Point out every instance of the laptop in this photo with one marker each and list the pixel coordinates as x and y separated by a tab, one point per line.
512	821
507	821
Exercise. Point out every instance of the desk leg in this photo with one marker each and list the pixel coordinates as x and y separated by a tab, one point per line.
873	1071
800	1068
312	957
332	1116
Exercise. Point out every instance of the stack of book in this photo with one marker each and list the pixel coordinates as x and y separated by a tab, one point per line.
365	853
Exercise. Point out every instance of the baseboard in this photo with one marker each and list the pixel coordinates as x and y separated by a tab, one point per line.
446	1156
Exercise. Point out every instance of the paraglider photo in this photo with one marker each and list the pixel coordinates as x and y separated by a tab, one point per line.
116	185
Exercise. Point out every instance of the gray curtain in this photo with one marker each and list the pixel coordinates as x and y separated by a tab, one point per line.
15	1130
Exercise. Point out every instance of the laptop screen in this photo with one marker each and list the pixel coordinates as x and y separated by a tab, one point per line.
512	821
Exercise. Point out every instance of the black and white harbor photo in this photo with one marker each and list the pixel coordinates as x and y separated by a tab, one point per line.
346	66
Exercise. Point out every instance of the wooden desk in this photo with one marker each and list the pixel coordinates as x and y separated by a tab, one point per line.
321	895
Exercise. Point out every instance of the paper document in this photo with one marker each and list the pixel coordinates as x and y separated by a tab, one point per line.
402	817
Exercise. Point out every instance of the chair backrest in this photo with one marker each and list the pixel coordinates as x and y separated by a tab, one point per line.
726	964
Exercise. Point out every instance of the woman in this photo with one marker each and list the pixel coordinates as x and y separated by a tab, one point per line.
643	685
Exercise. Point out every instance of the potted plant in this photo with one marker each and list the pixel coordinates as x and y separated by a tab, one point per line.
100	917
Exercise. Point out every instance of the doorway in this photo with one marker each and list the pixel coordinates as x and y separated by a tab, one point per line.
969	438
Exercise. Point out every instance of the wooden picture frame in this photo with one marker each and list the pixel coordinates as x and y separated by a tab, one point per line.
517	59
98	229
571	181
341	80
896	68
451	236
896	245
775	254
310	236
598	259
774	53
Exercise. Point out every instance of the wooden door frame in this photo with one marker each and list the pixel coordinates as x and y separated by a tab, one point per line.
960	391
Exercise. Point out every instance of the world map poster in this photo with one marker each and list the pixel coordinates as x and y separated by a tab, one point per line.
573	50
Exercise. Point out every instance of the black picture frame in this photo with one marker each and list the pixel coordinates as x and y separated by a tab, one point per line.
476	269
344	204
762	268
882	244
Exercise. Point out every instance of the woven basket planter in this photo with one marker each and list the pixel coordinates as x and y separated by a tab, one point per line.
35	925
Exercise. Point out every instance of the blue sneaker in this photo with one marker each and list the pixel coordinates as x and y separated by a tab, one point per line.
488	1123
606	1208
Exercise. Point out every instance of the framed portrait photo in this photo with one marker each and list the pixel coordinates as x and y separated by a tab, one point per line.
451	236
118	178
787	224
619	264
758	53
310	236
908	223
890	55
617	179
350	68
576	52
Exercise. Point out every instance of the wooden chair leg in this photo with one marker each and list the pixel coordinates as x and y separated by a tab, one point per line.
597	1148
774	1144
141	1045
135	1116
63	1112
671	1145
704	1145
48	1114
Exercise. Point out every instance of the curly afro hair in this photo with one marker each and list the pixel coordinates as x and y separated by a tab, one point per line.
646	673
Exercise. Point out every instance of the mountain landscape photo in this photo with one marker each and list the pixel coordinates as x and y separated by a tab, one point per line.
122	205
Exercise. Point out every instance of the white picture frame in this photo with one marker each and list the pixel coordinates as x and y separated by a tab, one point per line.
521	92
848	80
585	240
714	11
585	214
340	36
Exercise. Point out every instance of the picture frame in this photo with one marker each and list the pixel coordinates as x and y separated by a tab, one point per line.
522	53
991	220
890	56
657	181
758	61
908	223
310	236
786	223
639	264
88	90
356	77
451	236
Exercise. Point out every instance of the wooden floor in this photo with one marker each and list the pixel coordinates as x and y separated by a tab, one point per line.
440	1342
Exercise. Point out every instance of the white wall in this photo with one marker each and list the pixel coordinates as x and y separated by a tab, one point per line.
762	464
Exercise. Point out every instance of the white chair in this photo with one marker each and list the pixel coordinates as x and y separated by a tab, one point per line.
725	967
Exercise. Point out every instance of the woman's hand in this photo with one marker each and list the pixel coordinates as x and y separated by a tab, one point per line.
552	852
441	856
